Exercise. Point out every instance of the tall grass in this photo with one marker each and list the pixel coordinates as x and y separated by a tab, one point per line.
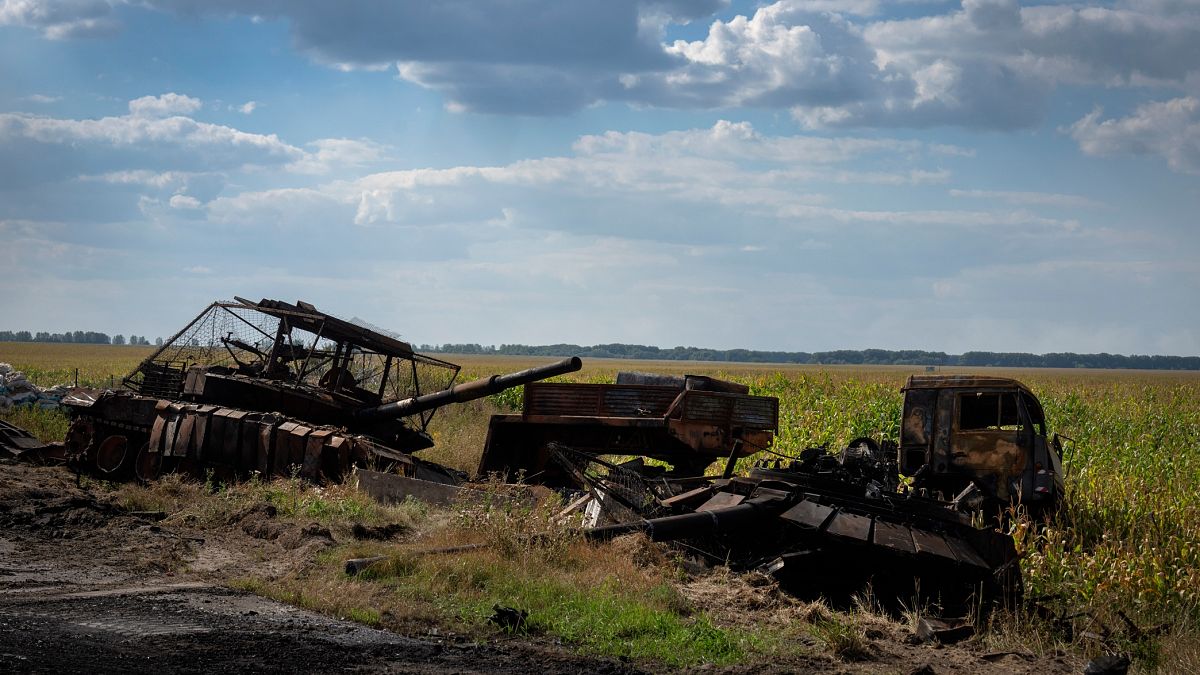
52	364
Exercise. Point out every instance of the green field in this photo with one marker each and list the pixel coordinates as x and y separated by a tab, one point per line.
1129	539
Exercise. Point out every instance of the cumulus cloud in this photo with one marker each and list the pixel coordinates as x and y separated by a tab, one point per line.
491	55
61	19
984	64
143	130
1168	129
184	202
153	132
781	56
163	106
330	153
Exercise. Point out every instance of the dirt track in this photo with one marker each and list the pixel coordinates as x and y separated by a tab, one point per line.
87	588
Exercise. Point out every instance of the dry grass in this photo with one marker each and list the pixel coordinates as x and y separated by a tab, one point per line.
50	364
598	598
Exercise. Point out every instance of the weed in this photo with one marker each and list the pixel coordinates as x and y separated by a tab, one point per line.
843	638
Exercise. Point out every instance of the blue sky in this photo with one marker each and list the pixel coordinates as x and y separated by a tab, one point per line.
797	175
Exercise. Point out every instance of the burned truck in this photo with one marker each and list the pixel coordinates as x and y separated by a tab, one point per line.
982	439
687	422
274	388
914	518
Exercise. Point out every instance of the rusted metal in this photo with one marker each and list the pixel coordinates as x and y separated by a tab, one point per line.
688	422
988	431
279	389
18	442
823	526
825	522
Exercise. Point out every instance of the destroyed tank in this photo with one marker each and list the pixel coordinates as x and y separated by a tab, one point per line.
908	519
823	525
279	389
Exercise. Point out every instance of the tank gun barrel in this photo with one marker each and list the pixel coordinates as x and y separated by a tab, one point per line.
469	391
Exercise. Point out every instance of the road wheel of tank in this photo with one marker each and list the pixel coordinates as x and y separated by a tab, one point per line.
148	465
111	453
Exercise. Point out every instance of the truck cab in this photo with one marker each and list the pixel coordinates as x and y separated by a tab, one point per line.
991	431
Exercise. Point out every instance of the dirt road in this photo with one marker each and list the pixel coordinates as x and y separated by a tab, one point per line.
87	588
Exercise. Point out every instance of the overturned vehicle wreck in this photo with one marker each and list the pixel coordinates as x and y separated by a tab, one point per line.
914	520
274	388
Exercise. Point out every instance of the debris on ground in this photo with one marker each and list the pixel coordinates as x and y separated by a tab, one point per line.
16	390
509	618
944	631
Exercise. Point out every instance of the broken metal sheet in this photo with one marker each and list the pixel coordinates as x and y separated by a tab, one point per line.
722	500
931	543
893	536
850	526
169	435
965	552
156	434
808	514
311	467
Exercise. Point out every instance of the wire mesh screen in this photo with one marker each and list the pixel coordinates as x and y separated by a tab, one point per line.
623	494
243	340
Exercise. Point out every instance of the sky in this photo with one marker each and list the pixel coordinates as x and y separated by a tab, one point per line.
799	175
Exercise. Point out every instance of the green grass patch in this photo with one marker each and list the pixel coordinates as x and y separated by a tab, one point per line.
609	618
46	425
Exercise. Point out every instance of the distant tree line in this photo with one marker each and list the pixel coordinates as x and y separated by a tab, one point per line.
903	357
76	337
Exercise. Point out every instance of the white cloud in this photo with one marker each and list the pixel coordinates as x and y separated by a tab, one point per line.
163	106
1030	198
783	55
330	153
61	19
156	179
248	107
984	64
1169	129
703	176
739	141
135	130
42	98
184	202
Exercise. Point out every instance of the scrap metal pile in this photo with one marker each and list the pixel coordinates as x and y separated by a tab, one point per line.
284	389
821	523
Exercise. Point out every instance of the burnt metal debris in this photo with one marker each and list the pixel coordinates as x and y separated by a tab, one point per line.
687	421
277	388
19	442
913	519
981	438
285	389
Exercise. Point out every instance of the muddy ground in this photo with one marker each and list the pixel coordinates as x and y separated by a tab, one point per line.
88	587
